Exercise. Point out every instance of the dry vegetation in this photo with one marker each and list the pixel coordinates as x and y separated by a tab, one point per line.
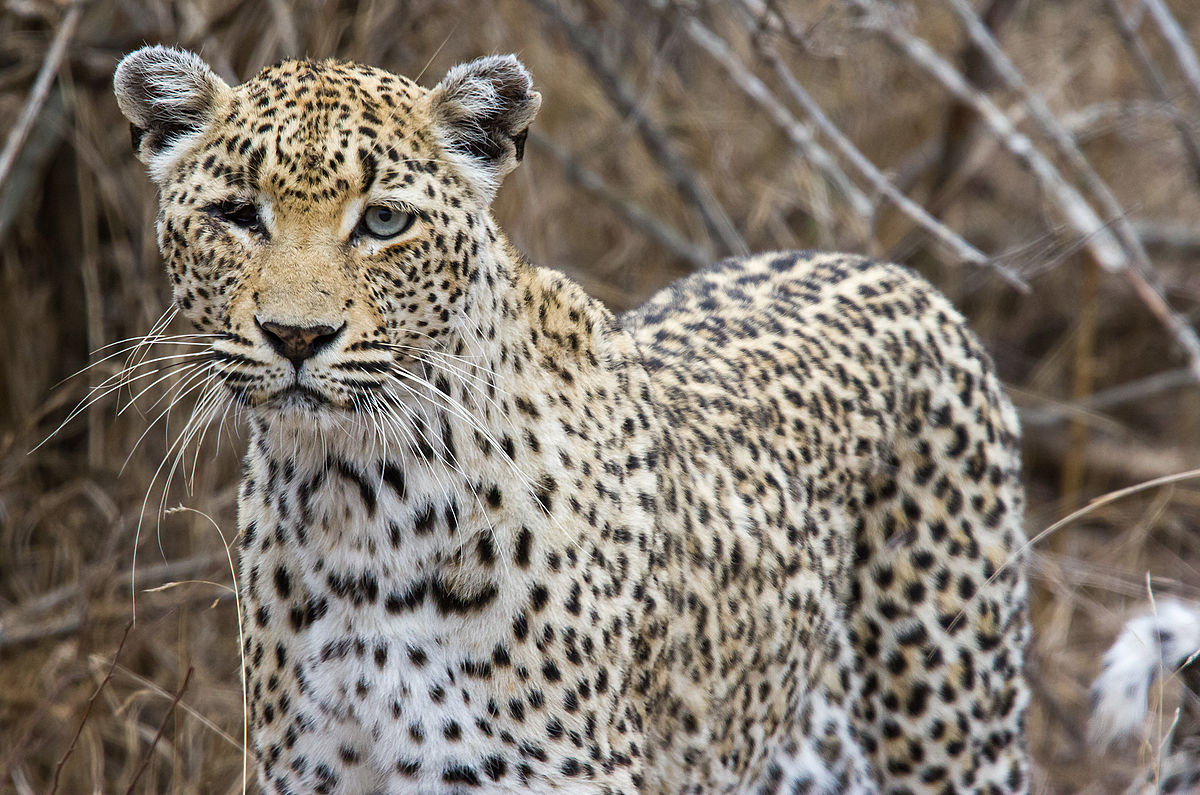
1056	159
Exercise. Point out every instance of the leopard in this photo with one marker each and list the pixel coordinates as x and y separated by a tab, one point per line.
762	534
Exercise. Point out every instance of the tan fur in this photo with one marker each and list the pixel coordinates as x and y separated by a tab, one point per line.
759	536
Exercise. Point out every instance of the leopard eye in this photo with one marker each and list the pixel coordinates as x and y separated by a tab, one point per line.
384	222
240	214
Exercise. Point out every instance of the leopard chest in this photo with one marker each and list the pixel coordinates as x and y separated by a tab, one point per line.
413	640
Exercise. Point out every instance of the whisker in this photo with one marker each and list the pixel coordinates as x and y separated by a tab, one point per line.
155	332
203	382
466	379
527	481
115	354
189	384
179	447
418	349
460	371
106	388
459	411
183	368
190	481
451	460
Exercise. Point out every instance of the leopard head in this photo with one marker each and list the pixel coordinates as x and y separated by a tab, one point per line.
325	222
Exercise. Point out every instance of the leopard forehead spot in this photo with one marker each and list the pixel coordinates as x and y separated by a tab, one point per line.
760	535
322	122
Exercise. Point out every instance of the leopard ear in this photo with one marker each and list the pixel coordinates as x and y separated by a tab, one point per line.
167	94
483	110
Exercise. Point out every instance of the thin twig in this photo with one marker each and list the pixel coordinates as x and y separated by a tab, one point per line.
1099	239
651	225
1100	118
1064	142
1076	209
40	91
1054	706
19	618
1142	273
958	129
1099	502
1177	41
1141	389
158	735
961	249
87	712
690	184
1180	238
1083	380
71	624
199	716
1113	397
1154	78
798	133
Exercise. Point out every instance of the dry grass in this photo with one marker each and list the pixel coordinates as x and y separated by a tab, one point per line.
645	144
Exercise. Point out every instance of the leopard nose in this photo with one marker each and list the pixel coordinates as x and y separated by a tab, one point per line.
297	343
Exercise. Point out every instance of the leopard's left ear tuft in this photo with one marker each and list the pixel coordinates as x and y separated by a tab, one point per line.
166	94
483	110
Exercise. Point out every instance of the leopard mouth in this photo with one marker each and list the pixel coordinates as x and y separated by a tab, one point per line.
297	396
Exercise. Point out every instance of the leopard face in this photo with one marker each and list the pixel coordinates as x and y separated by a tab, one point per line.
325	222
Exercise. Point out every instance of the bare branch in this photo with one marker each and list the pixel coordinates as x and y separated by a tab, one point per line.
1137	391
959	127
651	225
88	711
1064	142
1102	117
41	89
798	133
25	622
961	249
1142	275
1177	40
1158	84
1077	211
690	184
1108	251
158	735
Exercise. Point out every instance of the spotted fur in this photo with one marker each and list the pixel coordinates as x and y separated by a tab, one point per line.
759	536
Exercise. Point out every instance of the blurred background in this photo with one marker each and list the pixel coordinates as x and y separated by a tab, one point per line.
1038	160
